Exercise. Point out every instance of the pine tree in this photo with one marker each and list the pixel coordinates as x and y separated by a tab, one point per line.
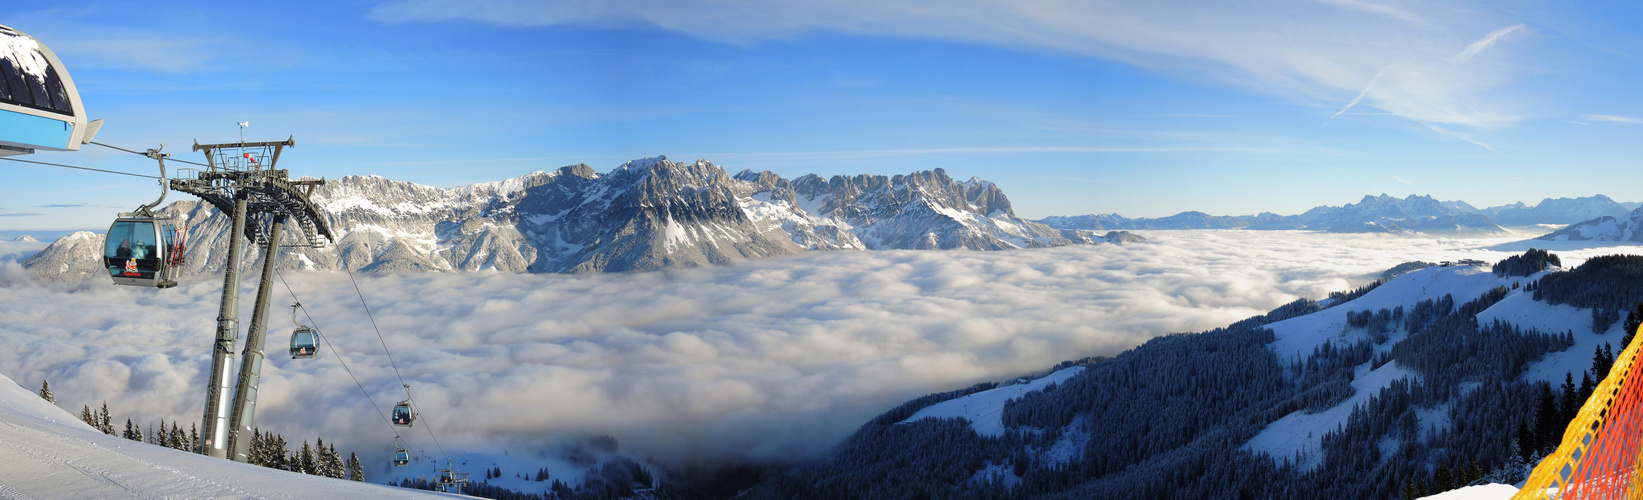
253	453
1548	430
321	467
178	440
327	463
1601	364
337	467
193	438
45	392
137	434
1568	405
85	416
106	421
163	438
128	434
305	459
356	470
1587	386
1633	320
1442	480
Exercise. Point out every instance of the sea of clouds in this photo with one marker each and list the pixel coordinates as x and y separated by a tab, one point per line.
766	360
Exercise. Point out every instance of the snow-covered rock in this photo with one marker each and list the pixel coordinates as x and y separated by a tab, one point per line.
1556	211
646	214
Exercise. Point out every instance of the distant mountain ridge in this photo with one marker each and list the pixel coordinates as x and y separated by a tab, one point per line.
649	213
1559	211
1374	214
1605	228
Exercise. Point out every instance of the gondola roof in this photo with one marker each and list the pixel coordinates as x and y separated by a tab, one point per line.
39	105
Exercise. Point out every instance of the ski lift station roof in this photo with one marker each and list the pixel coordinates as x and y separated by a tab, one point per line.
39	105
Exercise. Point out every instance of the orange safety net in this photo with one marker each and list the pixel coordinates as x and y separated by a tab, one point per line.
1601	456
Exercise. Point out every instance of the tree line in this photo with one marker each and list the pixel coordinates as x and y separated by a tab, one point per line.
267	450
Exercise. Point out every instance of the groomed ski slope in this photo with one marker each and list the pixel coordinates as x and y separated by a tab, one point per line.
45	452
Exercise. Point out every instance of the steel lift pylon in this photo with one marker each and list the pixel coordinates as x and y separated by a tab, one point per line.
242	180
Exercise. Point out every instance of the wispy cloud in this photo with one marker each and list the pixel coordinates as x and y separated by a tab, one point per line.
1490	39
1614	119
1359	98
1402	180
61	205
1320	56
91	44
1377	8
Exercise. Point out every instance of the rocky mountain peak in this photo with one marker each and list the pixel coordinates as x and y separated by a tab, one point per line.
647	213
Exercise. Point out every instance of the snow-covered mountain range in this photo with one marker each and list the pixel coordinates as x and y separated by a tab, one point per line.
1559	211
1375	214
1628	227
649	213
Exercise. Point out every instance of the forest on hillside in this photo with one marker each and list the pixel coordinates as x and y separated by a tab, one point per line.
1168	419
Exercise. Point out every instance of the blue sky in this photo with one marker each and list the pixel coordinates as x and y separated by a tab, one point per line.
1138	108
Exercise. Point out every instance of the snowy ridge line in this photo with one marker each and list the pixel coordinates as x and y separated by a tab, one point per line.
646	214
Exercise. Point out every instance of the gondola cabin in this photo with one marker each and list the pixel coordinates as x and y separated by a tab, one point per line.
303	343
403	416
39	105
401	458
144	251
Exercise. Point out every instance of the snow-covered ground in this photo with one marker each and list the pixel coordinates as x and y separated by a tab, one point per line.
1299	336
1297	436
45	452
1479	492
985	410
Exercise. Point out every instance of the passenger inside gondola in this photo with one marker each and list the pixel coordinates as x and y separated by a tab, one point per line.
136	241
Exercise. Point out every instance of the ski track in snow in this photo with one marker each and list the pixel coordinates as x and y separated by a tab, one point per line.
47	453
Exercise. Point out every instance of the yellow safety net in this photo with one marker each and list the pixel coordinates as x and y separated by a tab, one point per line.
1601	456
